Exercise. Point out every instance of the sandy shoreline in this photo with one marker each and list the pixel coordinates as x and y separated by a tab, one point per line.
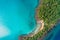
40	24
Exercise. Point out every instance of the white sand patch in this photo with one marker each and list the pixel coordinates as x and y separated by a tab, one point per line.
4	31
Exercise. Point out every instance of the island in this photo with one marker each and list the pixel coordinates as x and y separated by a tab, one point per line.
47	15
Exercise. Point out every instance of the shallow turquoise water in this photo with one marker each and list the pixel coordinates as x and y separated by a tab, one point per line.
17	17
54	34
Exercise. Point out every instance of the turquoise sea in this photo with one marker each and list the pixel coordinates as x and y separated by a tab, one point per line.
54	34
17	17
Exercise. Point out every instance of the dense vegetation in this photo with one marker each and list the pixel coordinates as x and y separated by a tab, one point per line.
49	12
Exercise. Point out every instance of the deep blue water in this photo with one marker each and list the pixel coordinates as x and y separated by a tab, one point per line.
17	17
54	34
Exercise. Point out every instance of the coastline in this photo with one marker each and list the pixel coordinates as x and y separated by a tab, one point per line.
49	24
40	24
